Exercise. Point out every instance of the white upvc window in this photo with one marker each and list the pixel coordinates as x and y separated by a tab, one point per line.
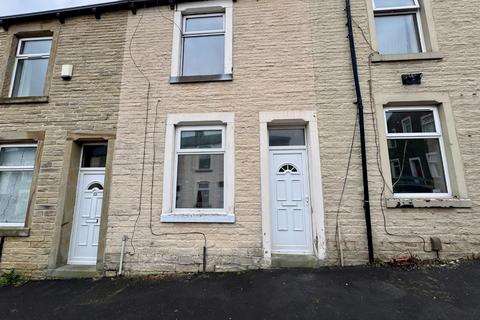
417	162
398	26
31	67
202	39
199	168
194	190
17	163
203	45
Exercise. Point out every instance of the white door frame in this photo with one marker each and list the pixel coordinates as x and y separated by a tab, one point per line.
294	118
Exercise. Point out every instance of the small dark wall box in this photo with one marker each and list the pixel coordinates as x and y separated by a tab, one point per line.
411	78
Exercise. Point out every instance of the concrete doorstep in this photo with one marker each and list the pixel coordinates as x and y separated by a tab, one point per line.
74	272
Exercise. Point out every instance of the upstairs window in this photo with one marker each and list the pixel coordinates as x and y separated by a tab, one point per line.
398	26
203	44
417	156
16	171
202	41
31	66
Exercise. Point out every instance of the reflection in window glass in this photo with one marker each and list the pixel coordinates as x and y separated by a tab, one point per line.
31	65
209	23
94	156
16	172
393	3
203	49
407	121
14	194
397	34
197	189
30	78
204	162
199	139
36	47
416	170
17	156
395	168
203	55
286	137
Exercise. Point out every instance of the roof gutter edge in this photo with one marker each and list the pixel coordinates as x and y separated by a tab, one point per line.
96	9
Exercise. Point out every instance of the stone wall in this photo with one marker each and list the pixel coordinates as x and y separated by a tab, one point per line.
287	56
454	75
87	103
272	63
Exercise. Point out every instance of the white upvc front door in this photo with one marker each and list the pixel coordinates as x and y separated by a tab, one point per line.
290	202
86	221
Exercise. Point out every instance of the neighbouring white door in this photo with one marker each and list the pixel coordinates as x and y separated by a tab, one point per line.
86	223
290	207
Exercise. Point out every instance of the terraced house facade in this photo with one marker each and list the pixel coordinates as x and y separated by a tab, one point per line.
155	136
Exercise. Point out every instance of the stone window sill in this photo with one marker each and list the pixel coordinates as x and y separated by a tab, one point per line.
428	203
376	57
222	217
205	78
24	100
14	232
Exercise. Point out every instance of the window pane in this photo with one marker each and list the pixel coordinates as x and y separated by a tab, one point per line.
203	55
201	139
393	3
94	156
397	34
17	156
203	23
286	137
36	47
410	121
204	162
197	189
30	78
14	194
420	166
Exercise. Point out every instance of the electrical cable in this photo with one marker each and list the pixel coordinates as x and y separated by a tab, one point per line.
154	156
377	147
145	131
337	239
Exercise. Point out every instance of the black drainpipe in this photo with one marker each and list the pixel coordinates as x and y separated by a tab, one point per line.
366	198
2	239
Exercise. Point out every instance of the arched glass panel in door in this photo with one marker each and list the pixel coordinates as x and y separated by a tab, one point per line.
288	168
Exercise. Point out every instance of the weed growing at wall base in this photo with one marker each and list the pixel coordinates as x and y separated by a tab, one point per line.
12	278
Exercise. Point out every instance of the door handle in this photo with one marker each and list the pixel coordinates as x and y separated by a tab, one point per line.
307	200
91	220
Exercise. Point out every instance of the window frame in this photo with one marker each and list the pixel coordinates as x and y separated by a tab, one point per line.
197	120
438	134
199	151
194	34
201	8
19	57
402	10
20	168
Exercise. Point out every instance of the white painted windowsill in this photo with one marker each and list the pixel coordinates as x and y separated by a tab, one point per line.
221	217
